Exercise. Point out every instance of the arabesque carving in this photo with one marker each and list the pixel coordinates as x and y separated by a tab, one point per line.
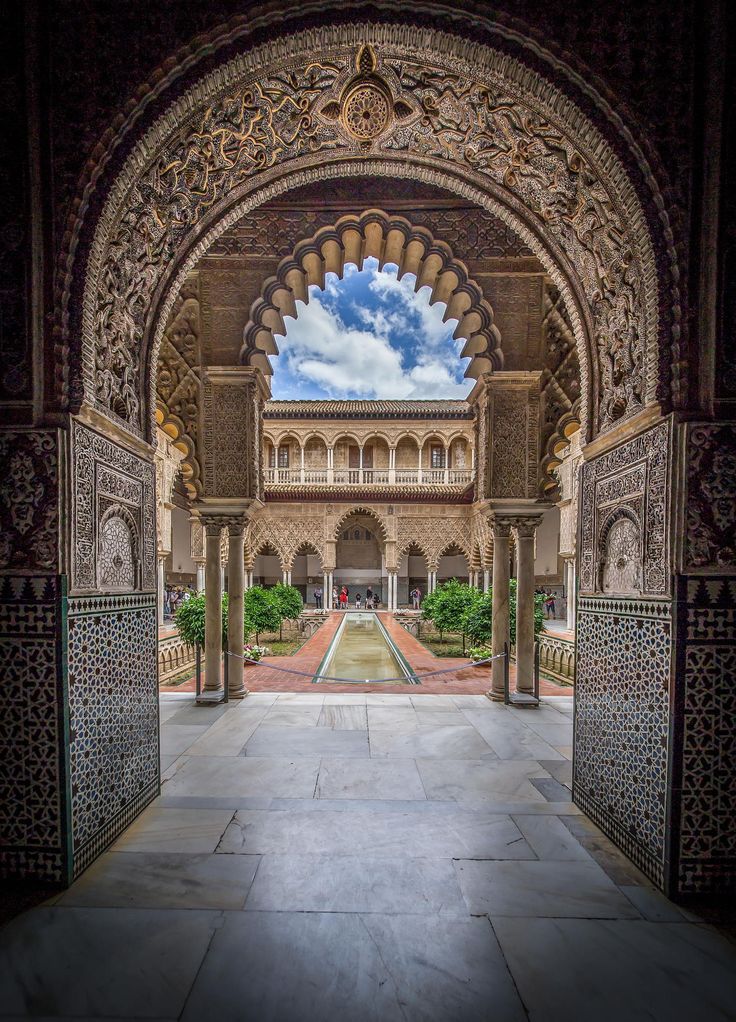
465	106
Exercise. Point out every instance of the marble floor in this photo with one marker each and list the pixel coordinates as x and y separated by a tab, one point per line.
360	856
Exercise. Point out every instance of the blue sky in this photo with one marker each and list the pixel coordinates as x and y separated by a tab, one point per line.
369	335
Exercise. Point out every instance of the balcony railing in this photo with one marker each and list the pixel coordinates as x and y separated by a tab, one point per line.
369	476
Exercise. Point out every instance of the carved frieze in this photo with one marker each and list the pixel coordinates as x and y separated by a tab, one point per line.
711	496
110	483
628	483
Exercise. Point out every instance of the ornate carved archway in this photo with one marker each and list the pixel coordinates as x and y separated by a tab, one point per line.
461	115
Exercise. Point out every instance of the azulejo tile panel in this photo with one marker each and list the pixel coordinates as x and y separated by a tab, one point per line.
707	707
113	716
32	781
622	723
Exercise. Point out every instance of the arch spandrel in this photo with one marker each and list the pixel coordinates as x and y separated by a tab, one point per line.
528	151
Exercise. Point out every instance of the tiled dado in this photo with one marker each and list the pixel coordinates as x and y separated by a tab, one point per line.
706	736
113	716
622	721
33	804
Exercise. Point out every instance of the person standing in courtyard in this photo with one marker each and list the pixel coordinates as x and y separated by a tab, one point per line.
343	598
357	601
335	598
318	597
416	597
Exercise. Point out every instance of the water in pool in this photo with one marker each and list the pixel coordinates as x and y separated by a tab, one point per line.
361	652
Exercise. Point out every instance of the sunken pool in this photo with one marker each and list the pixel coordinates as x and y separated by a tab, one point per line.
362	650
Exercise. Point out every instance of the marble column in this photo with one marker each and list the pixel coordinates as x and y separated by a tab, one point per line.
325	583
200	574
499	602
486	580
391	465
524	531
161	579
213	605
571	593
235	584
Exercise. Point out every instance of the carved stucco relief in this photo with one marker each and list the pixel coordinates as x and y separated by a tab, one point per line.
464	105
110	482
230	440
29	501
711	497
629	482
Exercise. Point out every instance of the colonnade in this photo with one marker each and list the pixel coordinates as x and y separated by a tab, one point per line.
524	527
213	585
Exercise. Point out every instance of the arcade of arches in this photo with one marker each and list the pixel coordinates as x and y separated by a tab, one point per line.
588	286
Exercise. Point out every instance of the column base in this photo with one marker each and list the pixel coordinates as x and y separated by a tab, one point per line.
495	697
240	694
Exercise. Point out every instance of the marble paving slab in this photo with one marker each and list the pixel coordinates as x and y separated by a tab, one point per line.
245	776
156	880
612	970
102	962
486	780
343	717
381	832
285	742
431	743
541	889
371	779
175	830
356	883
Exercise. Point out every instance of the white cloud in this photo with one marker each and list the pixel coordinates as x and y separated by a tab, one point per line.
397	349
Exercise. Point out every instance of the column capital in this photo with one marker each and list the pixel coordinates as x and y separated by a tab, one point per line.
500	524
236	525
525	526
212	524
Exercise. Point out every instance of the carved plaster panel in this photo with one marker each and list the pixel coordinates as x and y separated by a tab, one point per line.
230	438
630	481
29	501
109	482
711	496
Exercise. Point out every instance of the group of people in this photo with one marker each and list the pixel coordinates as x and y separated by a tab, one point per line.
341	598
174	596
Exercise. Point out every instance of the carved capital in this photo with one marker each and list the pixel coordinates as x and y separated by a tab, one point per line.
525	526
212	524
501	525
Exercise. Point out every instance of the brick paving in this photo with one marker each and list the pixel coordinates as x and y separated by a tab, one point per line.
462	679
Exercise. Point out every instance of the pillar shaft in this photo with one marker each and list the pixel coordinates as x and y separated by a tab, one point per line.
499	604
200	575
213	607
525	529
236	588
161	580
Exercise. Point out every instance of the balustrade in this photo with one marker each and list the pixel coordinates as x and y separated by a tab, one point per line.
368	476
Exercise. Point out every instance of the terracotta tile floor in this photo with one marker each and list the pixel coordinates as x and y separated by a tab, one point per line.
462	679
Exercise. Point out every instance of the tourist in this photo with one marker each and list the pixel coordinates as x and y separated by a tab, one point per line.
549	603
318	597
343	598
335	598
357	601
368	598
416	597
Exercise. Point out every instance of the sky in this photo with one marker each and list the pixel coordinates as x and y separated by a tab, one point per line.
369	335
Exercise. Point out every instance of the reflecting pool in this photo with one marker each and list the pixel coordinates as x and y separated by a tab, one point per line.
362	651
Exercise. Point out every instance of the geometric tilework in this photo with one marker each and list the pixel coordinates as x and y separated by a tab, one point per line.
32	785
707	710
622	723
113	716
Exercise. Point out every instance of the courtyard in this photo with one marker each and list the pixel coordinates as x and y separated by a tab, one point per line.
365	856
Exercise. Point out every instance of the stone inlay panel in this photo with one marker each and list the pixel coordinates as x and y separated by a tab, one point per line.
622	723
113	717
